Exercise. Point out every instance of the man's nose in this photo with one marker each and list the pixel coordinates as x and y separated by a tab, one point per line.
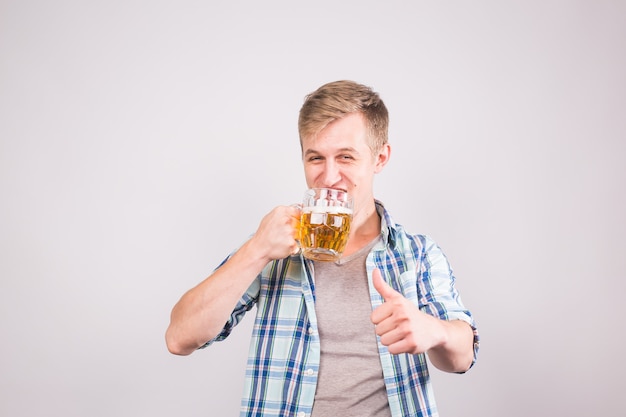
331	175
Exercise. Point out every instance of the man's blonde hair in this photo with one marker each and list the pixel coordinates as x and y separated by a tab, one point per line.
338	99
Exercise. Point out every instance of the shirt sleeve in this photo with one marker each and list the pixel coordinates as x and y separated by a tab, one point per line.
438	295
245	304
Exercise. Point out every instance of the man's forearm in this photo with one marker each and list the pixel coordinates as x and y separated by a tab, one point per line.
456	353
201	313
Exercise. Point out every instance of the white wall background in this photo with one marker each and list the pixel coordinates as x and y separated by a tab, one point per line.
140	141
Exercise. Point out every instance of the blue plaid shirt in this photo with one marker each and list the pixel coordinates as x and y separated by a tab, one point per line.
284	356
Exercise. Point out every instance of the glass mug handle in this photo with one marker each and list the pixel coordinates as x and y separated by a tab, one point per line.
299	246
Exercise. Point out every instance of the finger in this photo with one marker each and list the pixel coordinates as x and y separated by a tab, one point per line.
390	337
295	211
401	346
382	287
379	314
383	320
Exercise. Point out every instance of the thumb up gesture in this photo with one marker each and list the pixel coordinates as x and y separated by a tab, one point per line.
402	327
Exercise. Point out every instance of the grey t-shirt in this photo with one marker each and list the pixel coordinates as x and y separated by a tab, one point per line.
350	382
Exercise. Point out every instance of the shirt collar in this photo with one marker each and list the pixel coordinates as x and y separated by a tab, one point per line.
388	229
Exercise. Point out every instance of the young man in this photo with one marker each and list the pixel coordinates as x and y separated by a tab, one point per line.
347	338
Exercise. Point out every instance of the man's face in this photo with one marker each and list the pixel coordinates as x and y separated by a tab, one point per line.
339	157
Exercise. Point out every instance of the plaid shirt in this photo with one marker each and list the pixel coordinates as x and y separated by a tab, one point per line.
284	356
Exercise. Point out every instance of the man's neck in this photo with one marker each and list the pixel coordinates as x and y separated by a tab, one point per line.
365	227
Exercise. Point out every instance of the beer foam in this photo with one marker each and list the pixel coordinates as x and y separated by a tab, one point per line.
327	209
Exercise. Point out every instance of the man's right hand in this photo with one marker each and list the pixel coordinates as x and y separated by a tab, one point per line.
276	237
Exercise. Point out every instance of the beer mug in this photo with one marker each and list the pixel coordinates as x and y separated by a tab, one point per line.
325	223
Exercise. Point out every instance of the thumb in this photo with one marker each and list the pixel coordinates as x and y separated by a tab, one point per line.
381	286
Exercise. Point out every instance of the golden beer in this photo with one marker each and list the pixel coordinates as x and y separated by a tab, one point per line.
324	232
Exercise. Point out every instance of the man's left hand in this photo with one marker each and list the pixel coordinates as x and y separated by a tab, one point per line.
402	327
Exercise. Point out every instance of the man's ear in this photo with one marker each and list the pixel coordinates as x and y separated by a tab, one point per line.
382	158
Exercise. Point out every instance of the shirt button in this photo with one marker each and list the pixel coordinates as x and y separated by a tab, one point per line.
310	330
309	372
301	414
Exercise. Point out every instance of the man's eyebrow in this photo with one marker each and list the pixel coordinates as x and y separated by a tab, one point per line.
341	150
348	149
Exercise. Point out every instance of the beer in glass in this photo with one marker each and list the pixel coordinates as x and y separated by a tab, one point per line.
325	223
